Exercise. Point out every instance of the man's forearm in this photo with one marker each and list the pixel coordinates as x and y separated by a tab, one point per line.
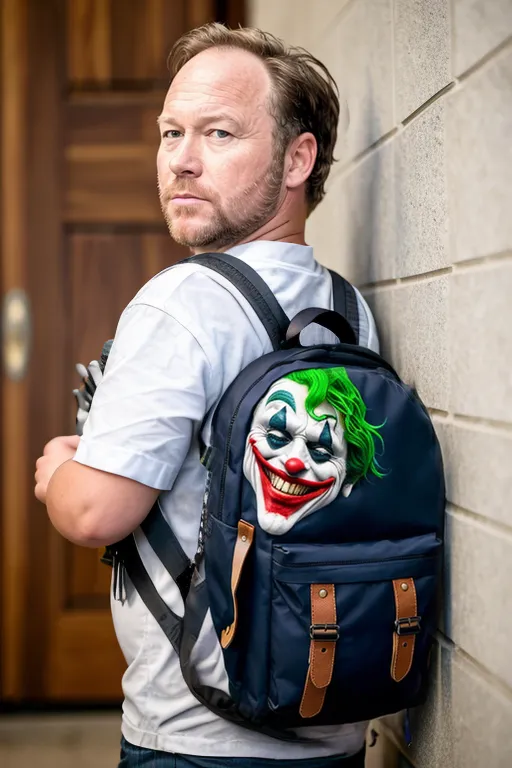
93	508
71	508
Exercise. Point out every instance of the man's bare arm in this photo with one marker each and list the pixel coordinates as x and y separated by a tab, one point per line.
94	508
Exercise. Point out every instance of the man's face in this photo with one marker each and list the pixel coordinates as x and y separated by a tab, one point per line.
295	463
220	175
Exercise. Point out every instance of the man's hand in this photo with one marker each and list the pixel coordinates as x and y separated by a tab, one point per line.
55	453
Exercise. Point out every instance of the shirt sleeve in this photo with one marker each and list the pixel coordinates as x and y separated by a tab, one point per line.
150	402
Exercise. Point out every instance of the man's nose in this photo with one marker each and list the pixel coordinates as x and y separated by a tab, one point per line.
185	159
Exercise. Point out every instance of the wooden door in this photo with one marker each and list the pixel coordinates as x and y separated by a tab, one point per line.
82	84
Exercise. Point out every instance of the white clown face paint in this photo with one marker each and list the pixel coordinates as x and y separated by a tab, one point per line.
295	463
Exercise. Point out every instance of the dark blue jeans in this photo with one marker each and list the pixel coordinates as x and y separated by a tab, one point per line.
137	757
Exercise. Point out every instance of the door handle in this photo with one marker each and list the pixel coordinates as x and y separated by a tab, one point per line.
16	334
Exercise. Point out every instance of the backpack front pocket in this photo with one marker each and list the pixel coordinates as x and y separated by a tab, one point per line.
351	628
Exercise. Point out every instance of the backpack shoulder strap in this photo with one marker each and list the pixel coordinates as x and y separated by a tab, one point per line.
168	549
156	529
252	287
345	301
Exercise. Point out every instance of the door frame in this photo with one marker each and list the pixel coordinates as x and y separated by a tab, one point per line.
33	409
14	394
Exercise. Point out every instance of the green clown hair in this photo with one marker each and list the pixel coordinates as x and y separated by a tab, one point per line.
334	386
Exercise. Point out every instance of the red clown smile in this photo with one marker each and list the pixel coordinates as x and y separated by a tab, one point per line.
284	494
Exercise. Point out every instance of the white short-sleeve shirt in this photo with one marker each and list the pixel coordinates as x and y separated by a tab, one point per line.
179	344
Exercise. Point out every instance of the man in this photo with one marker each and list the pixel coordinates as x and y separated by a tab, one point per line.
248	130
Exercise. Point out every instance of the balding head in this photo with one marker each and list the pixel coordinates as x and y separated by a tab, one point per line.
304	95
224	177
217	147
228	73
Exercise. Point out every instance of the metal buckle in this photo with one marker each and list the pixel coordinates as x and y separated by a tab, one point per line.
408	626
327	632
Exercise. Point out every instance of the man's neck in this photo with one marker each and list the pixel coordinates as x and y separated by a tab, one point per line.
295	238
287	226
298	238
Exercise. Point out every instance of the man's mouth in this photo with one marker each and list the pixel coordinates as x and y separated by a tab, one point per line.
187	199
284	494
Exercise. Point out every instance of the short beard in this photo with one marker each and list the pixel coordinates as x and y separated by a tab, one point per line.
254	206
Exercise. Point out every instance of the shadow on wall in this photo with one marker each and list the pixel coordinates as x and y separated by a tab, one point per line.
369	205
369	222
431	726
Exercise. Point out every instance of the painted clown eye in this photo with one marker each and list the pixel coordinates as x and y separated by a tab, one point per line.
321	451
277	439
319	454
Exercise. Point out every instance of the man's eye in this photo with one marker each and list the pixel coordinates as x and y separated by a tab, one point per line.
277	439
319	454
218	133
171	134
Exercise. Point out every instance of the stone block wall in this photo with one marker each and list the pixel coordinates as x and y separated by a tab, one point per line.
418	214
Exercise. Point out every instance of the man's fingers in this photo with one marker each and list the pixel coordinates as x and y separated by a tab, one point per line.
51	445
72	441
39	489
40	493
67	441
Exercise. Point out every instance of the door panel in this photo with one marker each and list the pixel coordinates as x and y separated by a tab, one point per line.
111	143
113	43
105	272
82	84
84	662
88	579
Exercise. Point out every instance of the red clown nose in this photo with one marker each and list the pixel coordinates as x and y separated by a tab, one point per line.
294	466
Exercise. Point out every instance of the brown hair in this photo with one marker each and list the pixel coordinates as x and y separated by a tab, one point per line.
304	94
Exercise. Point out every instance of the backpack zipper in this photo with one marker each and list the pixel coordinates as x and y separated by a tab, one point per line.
359	562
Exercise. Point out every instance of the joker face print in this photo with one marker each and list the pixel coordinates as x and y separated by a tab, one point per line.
295	463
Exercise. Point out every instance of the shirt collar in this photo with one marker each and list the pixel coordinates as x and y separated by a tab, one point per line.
275	251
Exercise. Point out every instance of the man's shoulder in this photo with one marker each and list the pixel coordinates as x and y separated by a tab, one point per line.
182	290
160	289
203	303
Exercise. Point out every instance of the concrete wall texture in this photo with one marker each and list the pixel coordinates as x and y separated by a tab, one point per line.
419	215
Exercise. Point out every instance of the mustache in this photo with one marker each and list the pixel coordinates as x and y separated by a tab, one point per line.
176	190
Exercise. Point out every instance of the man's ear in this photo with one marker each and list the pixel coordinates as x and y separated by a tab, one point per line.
347	490
300	160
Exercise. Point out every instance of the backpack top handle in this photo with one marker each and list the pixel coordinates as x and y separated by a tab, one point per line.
334	322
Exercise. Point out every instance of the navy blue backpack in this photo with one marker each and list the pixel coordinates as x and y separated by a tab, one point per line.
321	531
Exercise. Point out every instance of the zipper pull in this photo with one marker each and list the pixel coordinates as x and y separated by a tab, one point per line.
118	582
204	524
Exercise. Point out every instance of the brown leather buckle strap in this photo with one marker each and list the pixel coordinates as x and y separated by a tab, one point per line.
324	633
242	547
407	626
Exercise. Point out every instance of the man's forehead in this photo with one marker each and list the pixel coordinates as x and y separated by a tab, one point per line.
225	74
